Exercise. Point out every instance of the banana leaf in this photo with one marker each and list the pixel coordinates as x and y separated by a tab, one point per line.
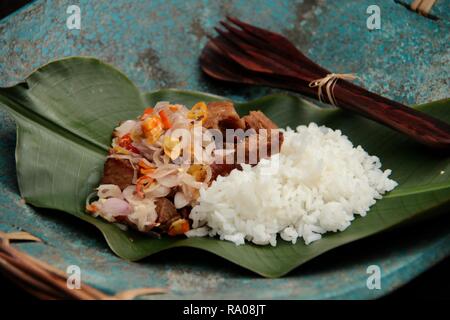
65	113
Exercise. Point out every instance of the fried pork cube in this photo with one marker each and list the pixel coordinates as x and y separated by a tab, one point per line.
257	120
167	213
118	172
222	115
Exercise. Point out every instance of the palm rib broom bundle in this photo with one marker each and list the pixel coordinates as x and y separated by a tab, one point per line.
47	282
242	53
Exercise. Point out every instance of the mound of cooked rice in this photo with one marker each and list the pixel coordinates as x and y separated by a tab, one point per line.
321	182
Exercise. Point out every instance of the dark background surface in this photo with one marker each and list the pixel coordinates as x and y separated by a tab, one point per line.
9	6
433	284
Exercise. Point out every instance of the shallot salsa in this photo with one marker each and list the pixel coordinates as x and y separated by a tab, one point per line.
159	162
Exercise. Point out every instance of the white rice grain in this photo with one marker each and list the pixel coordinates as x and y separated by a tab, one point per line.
321	183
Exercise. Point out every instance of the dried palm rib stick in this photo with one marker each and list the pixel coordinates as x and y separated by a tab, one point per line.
47	282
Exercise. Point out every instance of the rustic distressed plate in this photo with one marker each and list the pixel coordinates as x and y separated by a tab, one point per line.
67	109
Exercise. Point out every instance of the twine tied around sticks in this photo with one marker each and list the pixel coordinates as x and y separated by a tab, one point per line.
329	82
47	282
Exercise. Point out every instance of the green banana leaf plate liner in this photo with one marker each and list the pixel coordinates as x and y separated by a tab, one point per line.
66	111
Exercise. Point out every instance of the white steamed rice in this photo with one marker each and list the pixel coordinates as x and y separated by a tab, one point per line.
321	183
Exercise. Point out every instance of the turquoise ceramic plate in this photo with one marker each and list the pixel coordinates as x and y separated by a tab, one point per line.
149	52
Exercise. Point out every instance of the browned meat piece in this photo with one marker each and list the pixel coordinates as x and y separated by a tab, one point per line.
118	172
258	120
222	115
185	211
244	155
222	169
256	146
167	213
255	120
280	142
